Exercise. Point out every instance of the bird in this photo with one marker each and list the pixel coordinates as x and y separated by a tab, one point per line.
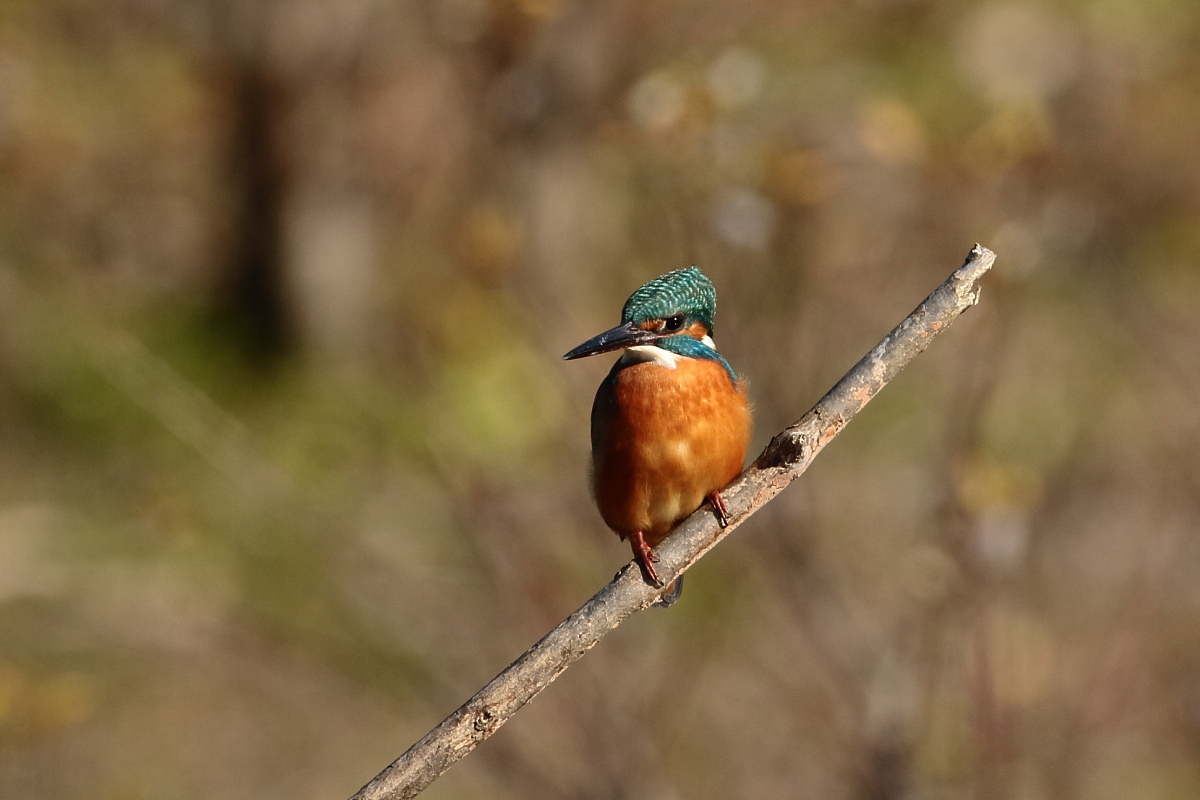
671	422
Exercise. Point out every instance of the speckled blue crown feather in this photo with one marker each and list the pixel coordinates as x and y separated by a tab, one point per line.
682	291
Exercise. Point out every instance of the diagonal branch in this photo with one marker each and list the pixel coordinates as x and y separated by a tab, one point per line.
785	459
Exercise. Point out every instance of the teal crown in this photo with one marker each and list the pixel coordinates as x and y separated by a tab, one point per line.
682	291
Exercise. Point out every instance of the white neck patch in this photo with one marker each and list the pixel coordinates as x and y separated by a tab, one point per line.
649	353
657	355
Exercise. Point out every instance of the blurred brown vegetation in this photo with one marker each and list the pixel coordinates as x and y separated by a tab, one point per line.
289	465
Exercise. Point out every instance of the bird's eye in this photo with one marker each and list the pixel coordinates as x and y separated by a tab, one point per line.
674	323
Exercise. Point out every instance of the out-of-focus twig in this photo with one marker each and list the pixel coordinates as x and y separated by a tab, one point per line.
786	458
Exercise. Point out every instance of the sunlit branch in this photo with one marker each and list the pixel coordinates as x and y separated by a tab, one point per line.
786	458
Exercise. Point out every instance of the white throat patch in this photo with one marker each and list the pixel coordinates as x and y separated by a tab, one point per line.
657	355
650	353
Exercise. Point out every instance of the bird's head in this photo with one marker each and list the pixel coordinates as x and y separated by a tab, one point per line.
663	312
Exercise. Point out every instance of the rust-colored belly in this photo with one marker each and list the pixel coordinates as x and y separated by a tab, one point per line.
663	439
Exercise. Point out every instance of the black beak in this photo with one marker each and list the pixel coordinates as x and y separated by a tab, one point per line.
624	335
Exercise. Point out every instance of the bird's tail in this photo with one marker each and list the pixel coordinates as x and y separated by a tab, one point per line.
670	594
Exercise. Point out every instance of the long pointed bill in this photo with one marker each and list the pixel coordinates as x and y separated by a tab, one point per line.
624	335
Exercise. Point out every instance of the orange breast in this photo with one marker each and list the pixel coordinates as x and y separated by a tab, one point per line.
663	439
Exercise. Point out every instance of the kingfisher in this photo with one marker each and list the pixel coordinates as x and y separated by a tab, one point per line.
671	422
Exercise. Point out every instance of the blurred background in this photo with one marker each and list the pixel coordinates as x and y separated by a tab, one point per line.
290	467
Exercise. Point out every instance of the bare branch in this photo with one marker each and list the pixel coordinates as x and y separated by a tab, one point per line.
785	459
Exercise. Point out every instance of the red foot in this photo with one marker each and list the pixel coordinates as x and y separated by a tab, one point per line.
644	556
718	505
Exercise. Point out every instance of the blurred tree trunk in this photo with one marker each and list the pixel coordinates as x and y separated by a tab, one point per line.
251	298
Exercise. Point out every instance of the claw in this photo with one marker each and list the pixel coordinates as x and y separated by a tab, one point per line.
644	556
718	504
